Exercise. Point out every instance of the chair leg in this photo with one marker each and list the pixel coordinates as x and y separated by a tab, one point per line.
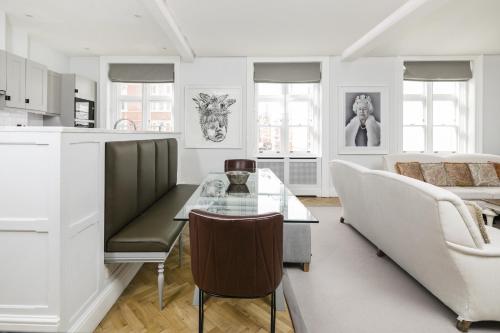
161	280
342	220
180	250
463	325
200	311
273	312
305	267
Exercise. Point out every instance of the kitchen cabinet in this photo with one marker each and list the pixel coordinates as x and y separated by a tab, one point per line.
54	93
3	71
85	88
16	82
36	86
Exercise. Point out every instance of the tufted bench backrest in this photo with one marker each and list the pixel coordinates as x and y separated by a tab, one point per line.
137	173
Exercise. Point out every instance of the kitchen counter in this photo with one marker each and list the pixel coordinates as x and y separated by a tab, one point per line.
52	228
59	129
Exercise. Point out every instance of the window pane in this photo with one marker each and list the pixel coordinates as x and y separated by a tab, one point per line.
300	89
414	138
413	113
161	116
445	138
131	111
413	88
449	88
270	113
299	113
298	139
160	89
270	139
130	89
444	113
267	89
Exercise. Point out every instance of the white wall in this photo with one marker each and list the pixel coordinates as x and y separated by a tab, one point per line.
491	104
85	66
196	163
383	71
44	54
387	71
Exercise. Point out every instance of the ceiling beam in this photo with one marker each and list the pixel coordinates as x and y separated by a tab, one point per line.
159	10
382	31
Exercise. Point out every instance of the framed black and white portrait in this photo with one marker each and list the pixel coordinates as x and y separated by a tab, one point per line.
363	122
213	117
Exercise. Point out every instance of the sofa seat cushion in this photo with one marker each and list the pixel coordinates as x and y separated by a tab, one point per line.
154	230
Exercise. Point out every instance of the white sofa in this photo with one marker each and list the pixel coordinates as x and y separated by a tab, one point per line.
429	232
467	193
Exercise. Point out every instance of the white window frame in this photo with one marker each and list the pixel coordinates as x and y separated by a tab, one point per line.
145	100
474	100
106	114
313	128
325	129
427	98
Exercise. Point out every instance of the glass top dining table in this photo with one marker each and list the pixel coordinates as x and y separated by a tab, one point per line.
263	193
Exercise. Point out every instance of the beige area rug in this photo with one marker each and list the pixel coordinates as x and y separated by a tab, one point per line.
351	290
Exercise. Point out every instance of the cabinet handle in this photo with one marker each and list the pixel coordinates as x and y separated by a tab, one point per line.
7	97
27	100
76	91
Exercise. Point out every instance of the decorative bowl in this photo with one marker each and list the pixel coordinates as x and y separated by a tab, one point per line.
237	177
237	189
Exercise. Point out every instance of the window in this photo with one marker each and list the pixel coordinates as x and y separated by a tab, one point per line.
148	105
287	117
434	116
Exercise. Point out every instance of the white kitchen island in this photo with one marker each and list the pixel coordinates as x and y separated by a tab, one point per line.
52	271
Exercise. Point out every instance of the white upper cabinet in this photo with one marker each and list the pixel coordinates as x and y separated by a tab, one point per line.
85	88
36	86
54	92
16	81
3	70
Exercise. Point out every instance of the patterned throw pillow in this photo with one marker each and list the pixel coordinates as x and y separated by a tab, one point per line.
477	216
497	168
410	169
458	174
484	174
434	173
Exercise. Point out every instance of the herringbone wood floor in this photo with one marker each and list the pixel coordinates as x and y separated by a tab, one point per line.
137	308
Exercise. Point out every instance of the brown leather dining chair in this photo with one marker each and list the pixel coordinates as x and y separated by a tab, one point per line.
239	165
236	257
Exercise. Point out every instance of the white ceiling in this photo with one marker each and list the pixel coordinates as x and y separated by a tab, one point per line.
459	27
257	27
106	27
277	27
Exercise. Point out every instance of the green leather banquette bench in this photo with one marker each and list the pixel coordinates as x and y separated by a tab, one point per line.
141	199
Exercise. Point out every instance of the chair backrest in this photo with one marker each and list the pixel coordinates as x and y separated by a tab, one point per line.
137	174
239	165
236	256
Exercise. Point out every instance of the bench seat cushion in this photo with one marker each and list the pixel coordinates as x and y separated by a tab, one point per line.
154	230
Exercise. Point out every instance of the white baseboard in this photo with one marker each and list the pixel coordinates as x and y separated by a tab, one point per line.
23	323
98	308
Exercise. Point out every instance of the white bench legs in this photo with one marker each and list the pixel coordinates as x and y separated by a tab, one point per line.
144	257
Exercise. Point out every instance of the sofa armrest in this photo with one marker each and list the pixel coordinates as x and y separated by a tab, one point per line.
490	250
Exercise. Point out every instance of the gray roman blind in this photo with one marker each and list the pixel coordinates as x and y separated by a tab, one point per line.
141	73
437	71
287	72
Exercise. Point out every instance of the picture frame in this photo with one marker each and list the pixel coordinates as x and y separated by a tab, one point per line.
213	117
364	132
